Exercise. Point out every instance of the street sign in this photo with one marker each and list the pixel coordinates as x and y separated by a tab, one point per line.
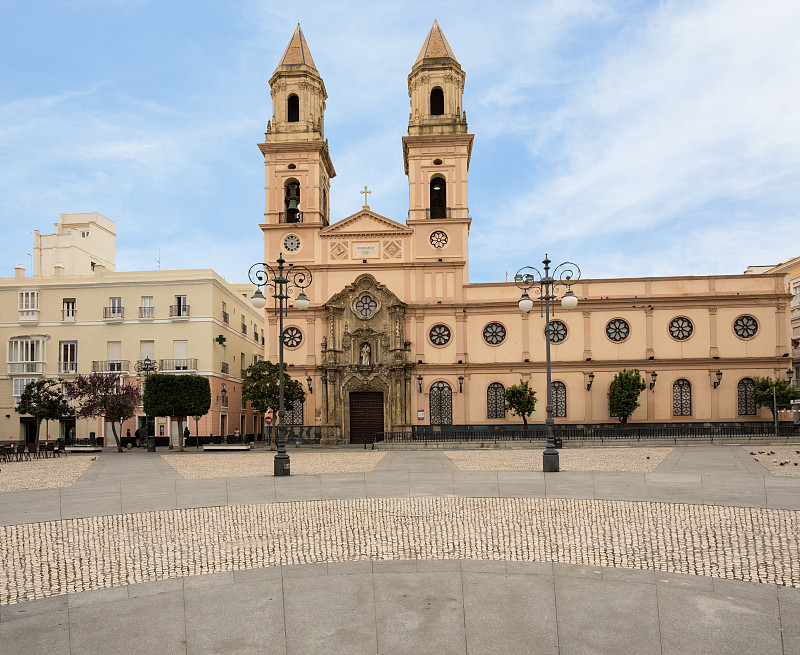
421	414
267	420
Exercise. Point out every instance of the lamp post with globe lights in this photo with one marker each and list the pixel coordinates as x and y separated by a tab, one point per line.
281	282
546	285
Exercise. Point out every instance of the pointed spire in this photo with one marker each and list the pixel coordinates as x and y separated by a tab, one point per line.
435	45
297	51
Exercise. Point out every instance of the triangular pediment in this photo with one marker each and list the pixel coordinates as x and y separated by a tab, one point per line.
365	222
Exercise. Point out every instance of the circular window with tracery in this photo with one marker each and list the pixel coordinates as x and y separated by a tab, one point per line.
365	306
745	327
494	333
680	328
557	331
439	335
439	239
292	337
618	329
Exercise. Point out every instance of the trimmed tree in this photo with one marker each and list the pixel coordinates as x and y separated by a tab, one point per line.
623	394
105	394
521	400
44	401
762	392
261	387
177	396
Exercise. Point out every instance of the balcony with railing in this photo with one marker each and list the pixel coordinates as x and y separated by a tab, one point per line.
68	368
225	368
147	312
28	315
225	318
290	217
15	368
244	329
113	313
438	212
243	373
68	315
111	366
170	365
179	311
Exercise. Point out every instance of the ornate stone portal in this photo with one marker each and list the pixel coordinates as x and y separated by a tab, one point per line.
365	350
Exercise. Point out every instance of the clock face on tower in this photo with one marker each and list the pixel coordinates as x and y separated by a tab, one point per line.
291	243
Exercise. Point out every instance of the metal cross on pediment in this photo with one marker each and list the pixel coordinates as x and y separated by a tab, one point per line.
365	192
220	340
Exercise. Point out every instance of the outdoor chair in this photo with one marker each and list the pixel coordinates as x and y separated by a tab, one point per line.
50	450
23	453
5	453
61	449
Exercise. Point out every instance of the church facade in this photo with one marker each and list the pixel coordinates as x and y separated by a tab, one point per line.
397	337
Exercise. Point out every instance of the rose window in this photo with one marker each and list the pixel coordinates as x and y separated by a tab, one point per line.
366	306
439	335
745	327
618	330
292	337
557	331
494	333
439	239
680	328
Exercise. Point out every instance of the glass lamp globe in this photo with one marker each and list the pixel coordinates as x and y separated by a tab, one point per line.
258	299
302	301
525	303
570	300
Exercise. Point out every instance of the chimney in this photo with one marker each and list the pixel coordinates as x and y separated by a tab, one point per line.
58	270
19	272
99	269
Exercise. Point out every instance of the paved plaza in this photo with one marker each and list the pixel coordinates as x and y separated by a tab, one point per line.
693	549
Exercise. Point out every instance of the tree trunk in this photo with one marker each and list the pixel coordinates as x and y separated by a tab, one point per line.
116	438
525	425
36	440
180	434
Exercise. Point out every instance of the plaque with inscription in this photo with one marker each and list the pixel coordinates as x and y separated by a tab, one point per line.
365	250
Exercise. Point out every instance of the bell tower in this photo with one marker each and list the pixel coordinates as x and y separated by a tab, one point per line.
437	151
297	164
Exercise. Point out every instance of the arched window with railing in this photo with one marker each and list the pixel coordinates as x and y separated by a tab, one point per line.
495	401
559	396
681	398
746	402
441	404
438	197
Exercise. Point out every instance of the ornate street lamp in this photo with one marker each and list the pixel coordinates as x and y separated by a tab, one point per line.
546	286
282	282
145	367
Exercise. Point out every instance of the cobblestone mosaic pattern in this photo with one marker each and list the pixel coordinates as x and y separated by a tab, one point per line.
46	473
47	559
782	461
239	465
578	459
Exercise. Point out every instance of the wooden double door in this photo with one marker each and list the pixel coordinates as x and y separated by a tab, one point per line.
366	415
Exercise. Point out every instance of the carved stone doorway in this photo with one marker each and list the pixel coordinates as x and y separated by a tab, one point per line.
366	415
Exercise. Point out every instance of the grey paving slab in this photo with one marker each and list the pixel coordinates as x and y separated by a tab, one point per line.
699	622
420	614
569	484
790	626
35	635
605	616
493	625
139	626
343	611
235	619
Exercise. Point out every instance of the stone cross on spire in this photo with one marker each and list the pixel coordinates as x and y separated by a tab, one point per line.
365	192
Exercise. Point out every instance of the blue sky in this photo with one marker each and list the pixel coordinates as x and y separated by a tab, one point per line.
631	137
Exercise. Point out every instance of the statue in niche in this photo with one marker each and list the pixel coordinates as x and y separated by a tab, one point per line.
366	354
